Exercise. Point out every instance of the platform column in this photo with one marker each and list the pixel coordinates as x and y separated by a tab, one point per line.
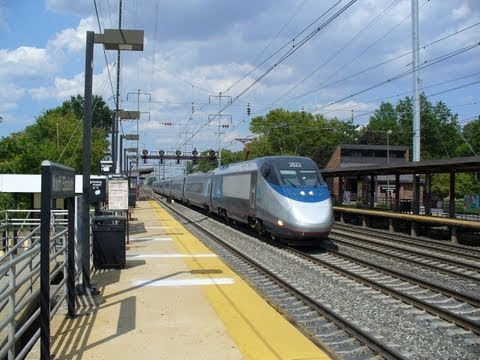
390	225
413	229
453	235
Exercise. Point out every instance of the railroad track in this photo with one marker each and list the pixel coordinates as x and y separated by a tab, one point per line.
453	250
441	263
449	305
339	337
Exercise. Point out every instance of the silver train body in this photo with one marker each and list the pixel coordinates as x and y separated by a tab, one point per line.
284	196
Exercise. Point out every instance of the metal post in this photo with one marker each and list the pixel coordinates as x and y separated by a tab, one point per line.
113	146
121	153
71	257
46	202
219	155
87	134
117	97
416	97
388	163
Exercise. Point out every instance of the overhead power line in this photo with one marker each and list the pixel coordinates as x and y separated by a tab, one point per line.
396	77
285	56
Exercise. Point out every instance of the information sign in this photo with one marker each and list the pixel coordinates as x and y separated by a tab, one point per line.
118	195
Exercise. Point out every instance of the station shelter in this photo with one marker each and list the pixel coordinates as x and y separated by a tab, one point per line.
356	188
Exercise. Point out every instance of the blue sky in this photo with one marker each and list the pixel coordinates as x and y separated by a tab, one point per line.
195	50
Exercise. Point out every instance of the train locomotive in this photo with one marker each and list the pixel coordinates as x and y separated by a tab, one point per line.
282	196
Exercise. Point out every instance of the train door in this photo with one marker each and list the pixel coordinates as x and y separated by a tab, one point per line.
253	192
208	197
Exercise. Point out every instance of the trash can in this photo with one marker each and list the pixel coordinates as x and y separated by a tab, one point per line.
405	206
108	233
132	199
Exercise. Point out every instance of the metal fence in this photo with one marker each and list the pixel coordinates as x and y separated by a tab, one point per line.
20	276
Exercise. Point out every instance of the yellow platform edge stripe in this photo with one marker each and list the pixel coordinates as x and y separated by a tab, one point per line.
258	330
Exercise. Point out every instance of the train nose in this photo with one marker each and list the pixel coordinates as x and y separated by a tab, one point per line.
311	216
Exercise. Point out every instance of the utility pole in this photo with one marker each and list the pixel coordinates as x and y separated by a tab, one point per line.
117	102
416	79
416	105
219	115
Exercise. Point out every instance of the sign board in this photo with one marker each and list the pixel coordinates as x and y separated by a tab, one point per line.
117	194
106	167
98	190
60	180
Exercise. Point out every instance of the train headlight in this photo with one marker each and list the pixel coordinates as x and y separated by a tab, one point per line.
279	222
310	193
302	193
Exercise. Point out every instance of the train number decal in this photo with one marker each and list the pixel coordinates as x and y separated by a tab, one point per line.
295	164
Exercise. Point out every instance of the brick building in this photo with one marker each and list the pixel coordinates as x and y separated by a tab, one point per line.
346	155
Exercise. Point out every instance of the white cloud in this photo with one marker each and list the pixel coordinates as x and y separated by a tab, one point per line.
461	11
10	94
26	61
73	40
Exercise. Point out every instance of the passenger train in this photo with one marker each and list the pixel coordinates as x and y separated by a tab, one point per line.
282	196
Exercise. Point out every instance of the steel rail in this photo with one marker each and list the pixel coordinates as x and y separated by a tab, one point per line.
453	249
337	238
467	266
444	314
475	301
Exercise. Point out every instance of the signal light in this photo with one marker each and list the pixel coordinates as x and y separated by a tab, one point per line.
225	126
178	153
303	112
194	154
248	109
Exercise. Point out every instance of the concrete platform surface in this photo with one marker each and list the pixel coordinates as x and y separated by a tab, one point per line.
174	299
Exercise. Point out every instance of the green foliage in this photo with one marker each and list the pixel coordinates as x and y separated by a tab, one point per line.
465	184
101	114
283	132
471	133
205	165
56	136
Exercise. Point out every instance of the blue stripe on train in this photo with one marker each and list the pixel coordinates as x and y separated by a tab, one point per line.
310	194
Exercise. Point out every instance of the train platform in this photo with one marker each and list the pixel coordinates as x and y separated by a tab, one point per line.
174	299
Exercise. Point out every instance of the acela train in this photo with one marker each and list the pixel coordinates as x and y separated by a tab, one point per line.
283	196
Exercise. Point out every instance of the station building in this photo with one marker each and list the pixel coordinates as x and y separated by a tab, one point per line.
357	188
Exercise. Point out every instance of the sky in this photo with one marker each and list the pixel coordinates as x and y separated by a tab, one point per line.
335	58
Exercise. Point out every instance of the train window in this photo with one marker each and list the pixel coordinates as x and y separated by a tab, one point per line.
290	177
311	178
301	178
269	175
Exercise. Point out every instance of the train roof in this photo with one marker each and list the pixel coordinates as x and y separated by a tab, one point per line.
254	164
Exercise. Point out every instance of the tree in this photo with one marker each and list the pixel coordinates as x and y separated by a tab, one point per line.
56	136
470	145
383	119
204	165
282	132
101	114
439	132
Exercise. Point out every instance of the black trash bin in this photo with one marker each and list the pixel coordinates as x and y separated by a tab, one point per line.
108	233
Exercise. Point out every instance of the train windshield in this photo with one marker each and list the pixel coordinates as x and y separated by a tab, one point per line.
299	177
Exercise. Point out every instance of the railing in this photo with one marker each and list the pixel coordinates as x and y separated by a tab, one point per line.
20	276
